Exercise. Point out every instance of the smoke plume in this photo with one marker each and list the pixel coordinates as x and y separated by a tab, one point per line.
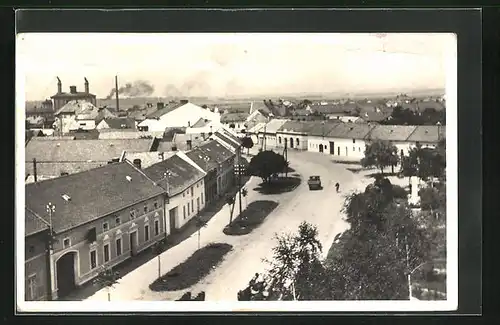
136	89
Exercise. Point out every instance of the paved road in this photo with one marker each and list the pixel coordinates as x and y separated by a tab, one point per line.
321	208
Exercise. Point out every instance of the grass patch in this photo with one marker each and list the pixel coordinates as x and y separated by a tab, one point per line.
192	270
279	185
386	174
346	162
250	218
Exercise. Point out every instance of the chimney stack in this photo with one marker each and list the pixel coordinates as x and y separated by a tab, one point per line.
116	93
137	163
160	105
59	85
86	85
72	89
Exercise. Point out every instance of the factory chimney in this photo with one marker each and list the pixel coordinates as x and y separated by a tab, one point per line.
86	85
59	85
116	94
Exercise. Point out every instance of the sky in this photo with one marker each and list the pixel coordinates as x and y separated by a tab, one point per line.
225	65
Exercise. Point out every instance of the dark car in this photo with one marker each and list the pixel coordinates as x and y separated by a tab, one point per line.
314	183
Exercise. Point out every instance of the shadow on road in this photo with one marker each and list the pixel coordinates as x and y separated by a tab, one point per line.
279	185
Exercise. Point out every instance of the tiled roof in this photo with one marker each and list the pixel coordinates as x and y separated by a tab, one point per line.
216	151
233	117
38	108
422	105
202	159
256	128
322	128
350	131
180	142
93	194
78	94
167	109
274	125
84	150
373	115
123	134
331	108
170	132
201	123
104	113
425	133
230	135
147	158
86	135
235	107
298	126
33	223
120	123
82	109
142	114
226	139
182	174
391	132
301	112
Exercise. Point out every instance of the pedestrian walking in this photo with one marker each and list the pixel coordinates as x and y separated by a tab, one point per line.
337	186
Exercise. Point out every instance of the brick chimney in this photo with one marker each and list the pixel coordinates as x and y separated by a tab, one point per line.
72	89
59	85
86	85
137	163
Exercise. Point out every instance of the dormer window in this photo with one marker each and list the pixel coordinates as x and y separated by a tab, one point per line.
105	226
132	214
145	209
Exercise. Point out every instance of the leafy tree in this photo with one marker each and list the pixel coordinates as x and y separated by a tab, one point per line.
247	142
158	248
266	164
380	154
107	278
244	193
230	200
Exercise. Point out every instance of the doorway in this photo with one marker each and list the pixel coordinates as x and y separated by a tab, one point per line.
133	243
338	151
320	148
172	214
65	268
332	147
291	142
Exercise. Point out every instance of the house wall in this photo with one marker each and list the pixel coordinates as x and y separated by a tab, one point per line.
35	268
186	204
84	124
102	125
128	224
63	122
180	117
238	125
349	149
61	101
299	140
314	142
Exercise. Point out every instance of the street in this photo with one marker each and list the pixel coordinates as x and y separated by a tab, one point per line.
320	208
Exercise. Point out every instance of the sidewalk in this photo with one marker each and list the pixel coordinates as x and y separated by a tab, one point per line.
132	264
135	284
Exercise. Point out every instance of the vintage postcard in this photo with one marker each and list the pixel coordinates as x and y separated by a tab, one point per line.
256	172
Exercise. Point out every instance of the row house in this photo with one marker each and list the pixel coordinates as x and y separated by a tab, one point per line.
183	181
236	121
346	141
267	135
91	231
293	134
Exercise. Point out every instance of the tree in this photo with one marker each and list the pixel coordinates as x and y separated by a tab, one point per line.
158	248
230	200
380	154
266	164
247	142
296	262
200	223
107	278
244	192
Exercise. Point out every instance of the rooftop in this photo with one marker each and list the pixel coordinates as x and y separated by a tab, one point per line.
274	125
391	132
167	109
426	133
118	186
350	131
234	117
120	123
83	109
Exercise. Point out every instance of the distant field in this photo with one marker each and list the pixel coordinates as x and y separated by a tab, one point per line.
141	101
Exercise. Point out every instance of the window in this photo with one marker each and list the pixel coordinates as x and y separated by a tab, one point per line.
66	243
118	246
402	152
192	191
155	205
146	233
106	253
31	293
192	205
117	220
145	209
198	185
184	211
31	249
353	140
353	148
132	214
93	259
184	194
157	227
201	197
105	226
359	149
188	209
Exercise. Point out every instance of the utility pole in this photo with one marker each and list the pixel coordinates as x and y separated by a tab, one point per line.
239	169
34	170
49	247
116	94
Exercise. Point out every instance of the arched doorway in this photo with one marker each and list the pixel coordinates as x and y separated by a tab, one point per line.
65	270
320	148
291	142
